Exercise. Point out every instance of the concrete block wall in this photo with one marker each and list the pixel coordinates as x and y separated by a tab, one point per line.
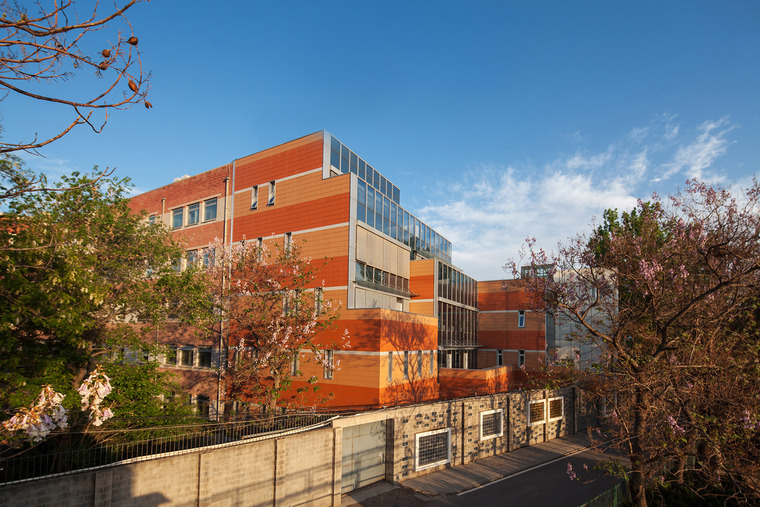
290	470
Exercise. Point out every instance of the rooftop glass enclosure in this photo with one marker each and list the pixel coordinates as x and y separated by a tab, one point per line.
378	206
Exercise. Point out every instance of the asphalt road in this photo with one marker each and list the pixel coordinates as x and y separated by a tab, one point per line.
544	485
547	485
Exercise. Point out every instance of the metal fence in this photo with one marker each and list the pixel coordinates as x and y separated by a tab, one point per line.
72	452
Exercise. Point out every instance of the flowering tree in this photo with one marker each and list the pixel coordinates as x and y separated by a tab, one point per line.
670	293
273	303
48	413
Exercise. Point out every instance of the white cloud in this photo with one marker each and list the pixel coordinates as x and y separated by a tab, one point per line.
489	213
694	158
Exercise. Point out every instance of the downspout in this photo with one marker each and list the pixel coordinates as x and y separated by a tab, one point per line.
222	347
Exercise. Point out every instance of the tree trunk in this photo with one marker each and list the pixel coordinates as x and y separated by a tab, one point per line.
637	484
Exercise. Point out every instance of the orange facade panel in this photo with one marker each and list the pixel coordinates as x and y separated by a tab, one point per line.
281	161
381	330
280	219
527	340
422	278
422	307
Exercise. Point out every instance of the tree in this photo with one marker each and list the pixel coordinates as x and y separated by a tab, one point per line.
275	309
670	294
42	50
74	290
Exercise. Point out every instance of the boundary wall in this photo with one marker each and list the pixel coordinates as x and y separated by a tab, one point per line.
306	468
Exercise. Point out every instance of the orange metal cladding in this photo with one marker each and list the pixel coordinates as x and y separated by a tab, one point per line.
361	377
501	330
456	382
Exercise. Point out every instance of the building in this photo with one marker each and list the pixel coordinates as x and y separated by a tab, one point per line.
407	309
509	331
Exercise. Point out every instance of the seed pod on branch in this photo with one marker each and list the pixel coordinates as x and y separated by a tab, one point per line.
132	40
106	53
148	105
133	86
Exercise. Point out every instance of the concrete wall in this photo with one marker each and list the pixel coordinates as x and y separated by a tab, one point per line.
304	468
291	470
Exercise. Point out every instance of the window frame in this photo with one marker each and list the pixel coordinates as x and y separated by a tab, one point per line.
194	209
254	197
420	436
208	352
501	424
271	193
520	358
206	206
549	417
531	422
520	318
181	216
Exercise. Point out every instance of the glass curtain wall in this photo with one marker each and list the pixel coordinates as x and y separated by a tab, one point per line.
378	206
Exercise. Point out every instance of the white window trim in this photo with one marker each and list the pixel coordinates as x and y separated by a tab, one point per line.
543	419
521	318
548	409
417	438
501	426
255	197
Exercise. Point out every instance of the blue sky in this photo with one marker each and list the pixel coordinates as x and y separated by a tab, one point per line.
497	120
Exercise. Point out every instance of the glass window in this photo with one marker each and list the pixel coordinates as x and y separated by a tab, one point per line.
354	162
177	218
335	159
204	358
370	219
360	271
383	184
370	198
270	200
329	364
369	274
192	258
361	190
396	195
521	318
193	213
185	357
406	364
208	257
362	169
344	159
254	197
209	209
361	213
376	180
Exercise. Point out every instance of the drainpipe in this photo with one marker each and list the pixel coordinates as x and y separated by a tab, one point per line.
222	347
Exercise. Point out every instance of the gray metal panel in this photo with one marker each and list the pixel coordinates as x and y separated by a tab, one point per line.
363	455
